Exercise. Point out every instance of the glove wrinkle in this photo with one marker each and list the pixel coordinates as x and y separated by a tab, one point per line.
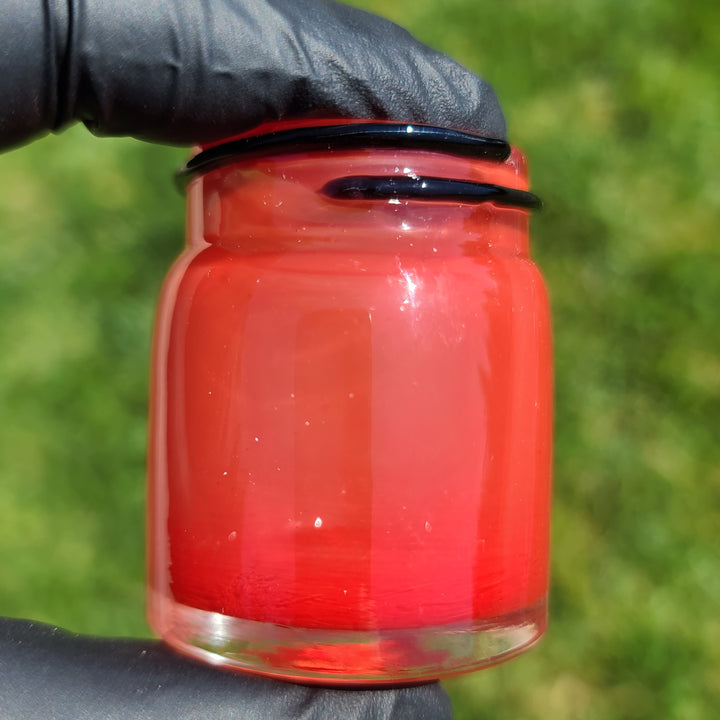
58	56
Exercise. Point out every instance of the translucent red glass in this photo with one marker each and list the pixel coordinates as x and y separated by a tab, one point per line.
350	425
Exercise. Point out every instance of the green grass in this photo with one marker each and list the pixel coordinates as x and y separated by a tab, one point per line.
617	105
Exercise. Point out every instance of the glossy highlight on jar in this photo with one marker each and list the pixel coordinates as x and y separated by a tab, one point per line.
350	449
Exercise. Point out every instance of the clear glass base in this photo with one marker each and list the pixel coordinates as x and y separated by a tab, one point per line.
347	657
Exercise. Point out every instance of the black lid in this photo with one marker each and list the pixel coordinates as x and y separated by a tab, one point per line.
347	137
376	135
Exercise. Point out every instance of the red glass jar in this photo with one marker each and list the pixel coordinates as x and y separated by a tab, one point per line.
351	409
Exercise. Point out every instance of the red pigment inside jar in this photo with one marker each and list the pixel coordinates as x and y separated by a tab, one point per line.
352	403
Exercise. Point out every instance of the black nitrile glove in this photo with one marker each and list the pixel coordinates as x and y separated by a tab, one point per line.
48	674
191	71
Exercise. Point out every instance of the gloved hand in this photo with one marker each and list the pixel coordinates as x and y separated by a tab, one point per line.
48	674
191	71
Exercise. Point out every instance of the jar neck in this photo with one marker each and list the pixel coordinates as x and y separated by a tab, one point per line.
278	203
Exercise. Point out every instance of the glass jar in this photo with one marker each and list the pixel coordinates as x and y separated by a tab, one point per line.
351	408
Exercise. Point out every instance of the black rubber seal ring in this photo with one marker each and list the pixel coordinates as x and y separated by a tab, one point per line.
347	137
368	187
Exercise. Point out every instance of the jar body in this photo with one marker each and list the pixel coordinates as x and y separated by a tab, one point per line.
351	428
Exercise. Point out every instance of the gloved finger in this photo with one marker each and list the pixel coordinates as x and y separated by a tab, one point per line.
47	673
189	71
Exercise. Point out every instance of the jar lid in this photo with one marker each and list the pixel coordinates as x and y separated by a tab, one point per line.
368	135
349	136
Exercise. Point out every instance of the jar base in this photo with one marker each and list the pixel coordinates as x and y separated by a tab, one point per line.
346	657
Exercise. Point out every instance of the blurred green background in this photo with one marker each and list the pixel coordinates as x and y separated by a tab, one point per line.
617	106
